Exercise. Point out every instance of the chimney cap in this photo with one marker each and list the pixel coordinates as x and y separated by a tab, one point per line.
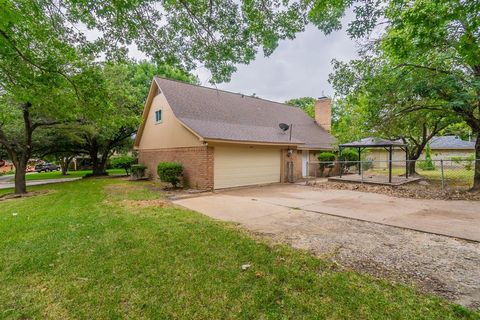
322	98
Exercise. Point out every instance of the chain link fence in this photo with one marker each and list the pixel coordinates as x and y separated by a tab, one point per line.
454	173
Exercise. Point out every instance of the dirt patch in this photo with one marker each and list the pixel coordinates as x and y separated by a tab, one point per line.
411	191
436	264
138	204
122	187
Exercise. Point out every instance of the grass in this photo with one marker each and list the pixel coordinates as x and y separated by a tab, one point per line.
456	176
98	249
71	174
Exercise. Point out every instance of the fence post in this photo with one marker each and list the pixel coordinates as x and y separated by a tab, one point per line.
443	177
361	172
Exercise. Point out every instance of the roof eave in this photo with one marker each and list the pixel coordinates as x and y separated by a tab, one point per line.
269	143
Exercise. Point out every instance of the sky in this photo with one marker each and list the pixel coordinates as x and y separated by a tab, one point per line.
297	68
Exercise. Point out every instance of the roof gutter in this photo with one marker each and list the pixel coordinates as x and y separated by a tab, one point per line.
263	143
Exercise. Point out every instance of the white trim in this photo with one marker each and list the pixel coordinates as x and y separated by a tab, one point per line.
305	156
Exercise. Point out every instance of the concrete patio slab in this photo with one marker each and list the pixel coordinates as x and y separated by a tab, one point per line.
374	179
270	206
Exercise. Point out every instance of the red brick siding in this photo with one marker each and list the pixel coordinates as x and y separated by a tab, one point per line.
197	163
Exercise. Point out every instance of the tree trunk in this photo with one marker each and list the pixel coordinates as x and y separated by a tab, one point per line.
20	180
64	169
65	163
412	161
412	166
476	176
99	165
99	168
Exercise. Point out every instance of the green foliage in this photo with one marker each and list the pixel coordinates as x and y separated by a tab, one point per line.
326	160
138	168
350	119
467	162
367	164
307	104
170	172
126	87
326	156
349	157
427	164
123	162
422	75
217	35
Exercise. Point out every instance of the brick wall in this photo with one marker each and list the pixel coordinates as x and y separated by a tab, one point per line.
296	159
197	163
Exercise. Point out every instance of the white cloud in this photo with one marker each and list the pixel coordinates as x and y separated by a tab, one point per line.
297	68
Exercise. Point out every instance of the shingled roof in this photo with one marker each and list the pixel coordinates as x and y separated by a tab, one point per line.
220	115
451	142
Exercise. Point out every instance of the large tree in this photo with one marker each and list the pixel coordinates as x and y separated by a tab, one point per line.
43	74
122	101
307	104
439	40
388	102
442	40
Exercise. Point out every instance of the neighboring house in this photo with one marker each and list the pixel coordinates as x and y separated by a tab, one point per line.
225	139
447	147
442	148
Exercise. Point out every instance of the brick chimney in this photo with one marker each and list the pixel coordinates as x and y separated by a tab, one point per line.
323	113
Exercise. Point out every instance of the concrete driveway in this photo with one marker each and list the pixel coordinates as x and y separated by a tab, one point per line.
273	208
6	184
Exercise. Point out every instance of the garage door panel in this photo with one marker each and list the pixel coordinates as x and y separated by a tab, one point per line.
241	166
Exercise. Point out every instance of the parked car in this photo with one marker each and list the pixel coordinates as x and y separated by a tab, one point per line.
47	167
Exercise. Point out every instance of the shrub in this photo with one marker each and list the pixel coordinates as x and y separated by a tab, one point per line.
350	157
427	164
467	162
170	172
326	160
138	170
326	157
367	164
123	162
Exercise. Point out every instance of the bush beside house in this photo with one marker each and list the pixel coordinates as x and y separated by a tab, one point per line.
171	172
138	171
326	161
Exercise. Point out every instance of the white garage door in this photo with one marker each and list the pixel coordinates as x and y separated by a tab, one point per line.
236	166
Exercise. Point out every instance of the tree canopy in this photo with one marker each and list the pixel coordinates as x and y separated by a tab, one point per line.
424	67
307	104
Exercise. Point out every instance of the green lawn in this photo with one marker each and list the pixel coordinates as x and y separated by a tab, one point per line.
71	174
453	176
98	249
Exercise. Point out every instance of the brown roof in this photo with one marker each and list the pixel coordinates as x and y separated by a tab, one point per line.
222	115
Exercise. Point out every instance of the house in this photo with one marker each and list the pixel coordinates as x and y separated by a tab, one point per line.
448	147
442	148
226	139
